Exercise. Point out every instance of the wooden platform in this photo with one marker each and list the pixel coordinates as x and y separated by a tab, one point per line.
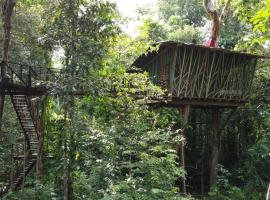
11	88
177	102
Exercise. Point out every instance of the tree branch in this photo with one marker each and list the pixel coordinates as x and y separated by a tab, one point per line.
209	6
224	11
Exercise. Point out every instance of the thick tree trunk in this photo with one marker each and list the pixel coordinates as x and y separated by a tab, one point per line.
211	10
7	14
216	20
71	66
214	147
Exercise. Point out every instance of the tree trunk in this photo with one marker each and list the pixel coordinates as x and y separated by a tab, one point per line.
67	189
7	14
71	66
214	147
216	20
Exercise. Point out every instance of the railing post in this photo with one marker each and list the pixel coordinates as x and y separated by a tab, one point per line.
3	71
29	77
12	168
21	71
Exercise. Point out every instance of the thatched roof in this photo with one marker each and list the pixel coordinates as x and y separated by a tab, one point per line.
165	45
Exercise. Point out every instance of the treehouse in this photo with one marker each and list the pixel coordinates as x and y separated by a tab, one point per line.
200	76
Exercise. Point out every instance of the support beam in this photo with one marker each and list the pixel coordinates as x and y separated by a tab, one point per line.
214	146
268	193
185	110
2	102
12	167
41	131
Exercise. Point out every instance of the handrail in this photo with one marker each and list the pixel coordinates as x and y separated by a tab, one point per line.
24	74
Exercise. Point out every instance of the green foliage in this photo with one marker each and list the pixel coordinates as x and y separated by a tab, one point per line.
153	31
255	19
129	154
188	34
223	190
121	149
191	12
230	32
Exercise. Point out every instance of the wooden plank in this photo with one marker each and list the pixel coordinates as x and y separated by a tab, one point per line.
201	103
172	71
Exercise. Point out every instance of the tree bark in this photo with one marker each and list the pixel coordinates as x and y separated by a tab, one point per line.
71	66
67	192
214	147
216	20
7	14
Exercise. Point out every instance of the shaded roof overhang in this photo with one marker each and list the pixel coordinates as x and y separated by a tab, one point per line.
144	59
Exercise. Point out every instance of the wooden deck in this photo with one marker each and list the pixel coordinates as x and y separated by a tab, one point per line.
13	89
177	102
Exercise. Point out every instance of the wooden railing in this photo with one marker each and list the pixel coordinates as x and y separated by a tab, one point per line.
20	156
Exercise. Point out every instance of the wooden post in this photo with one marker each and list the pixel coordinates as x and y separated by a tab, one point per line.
185	110
202	178
41	132
12	167
2	103
214	146
24	166
29	77
268	193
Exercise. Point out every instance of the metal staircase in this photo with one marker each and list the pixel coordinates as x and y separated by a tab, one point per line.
22	108
21	83
27	157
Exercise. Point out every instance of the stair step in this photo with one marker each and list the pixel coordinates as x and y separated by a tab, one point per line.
28	124
28	121
23	114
